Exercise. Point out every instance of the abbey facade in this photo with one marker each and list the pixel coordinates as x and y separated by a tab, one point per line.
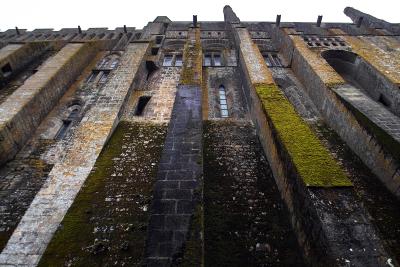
197	143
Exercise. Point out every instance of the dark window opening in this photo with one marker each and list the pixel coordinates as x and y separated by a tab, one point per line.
167	61
6	70
207	60
154	51
91	77
178	61
151	68
159	39
103	77
217	60
63	130
383	100
142	102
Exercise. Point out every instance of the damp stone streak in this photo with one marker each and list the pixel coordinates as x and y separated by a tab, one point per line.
246	223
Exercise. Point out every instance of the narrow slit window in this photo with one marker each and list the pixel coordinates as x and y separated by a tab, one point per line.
207	60
63	129
141	105
222	102
167	61
178	60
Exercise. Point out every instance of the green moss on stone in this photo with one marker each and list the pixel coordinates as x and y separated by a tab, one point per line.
313	162
106	224
192	63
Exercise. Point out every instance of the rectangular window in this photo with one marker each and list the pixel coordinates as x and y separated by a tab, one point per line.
114	64
217	60
167	61
178	60
91	78
63	130
224	113
104	77
207	60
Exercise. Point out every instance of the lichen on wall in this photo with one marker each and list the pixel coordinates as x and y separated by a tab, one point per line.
311	159
192	59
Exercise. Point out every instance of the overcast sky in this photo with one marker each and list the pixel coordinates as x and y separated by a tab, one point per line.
31	14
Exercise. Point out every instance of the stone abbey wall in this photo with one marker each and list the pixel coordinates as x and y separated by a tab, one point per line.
200	143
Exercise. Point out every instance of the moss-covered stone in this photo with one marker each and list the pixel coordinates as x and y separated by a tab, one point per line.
311	159
106	224
192	59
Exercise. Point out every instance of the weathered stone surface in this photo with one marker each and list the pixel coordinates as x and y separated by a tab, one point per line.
46	211
66	90
179	179
107	223
317	224
242	205
22	112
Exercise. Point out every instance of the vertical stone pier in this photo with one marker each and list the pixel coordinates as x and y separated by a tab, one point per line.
24	109
36	228
177	190
331	223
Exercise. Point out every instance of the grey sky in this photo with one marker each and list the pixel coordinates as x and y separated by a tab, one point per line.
31	14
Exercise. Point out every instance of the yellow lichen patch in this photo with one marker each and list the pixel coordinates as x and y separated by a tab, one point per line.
386	61
313	162
192	59
327	74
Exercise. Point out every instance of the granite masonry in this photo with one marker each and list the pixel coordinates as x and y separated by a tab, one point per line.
201	143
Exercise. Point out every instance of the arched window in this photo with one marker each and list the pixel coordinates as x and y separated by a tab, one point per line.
75	109
360	74
223	104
